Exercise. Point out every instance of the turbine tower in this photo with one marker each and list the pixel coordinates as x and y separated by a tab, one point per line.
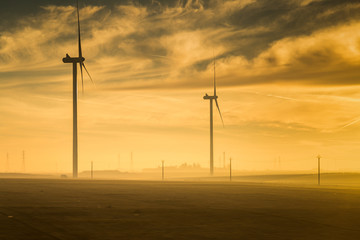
76	60
211	98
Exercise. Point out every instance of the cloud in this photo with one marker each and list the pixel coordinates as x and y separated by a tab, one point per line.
165	44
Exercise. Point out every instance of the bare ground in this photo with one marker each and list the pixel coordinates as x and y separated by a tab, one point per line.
81	209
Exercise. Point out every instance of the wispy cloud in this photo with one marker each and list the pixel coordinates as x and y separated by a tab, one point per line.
351	123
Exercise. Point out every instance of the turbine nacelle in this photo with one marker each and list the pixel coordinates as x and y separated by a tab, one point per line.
209	97
69	59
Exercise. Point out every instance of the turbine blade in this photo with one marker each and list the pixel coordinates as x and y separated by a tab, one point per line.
79	34
82	77
217	105
87	73
214	78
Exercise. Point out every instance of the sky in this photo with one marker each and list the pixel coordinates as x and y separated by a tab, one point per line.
287	75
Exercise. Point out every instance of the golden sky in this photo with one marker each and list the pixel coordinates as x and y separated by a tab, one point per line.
288	76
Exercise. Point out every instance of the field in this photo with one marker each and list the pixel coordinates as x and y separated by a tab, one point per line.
108	209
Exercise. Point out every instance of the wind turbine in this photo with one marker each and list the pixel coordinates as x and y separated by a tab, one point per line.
211	98
76	60
319	158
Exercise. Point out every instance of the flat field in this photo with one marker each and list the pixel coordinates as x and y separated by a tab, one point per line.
83	209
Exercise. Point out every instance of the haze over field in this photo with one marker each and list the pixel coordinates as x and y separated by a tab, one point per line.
287	71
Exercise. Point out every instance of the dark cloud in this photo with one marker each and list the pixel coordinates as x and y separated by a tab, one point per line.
280	18
145	33
284	19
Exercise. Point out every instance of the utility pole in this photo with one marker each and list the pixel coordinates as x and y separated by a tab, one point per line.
279	163
230	171
131	162
23	163
319	157
92	170
162	172
224	159
119	161
7	162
